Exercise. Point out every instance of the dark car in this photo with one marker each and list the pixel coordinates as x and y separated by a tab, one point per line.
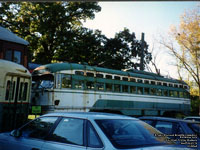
183	132
85	131
193	118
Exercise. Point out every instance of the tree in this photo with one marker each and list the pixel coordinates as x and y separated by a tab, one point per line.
47	26
55	33
125	51
187	35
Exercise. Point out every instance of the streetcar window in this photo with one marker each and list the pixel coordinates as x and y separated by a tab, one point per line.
181	86
175	93
159	83
139	81
125	88
78	84
171	93
185	87
125	79
146	81
117	78
100	86
90	85
181	94
170	85
132	89
164	84
165	92
108	76
153	91
79	73
116	87
24	96
89	74
66	81
140	90
153	82
8	55
17	57
159	92
132	79
13	90
99	75
175	85
146	91
21	91
108	87
7	90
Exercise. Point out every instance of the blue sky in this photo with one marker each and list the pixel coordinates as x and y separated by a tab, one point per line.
152	18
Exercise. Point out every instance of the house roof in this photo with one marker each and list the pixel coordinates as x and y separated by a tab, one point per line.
6	35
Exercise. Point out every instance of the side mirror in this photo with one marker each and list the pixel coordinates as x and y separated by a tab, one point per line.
15	133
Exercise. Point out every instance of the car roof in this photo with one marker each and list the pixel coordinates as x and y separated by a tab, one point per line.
167	119
197	117
90	115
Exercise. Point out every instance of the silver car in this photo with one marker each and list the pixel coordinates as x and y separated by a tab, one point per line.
85	131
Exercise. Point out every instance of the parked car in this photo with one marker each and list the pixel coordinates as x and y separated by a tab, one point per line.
177	129
193	118
81	131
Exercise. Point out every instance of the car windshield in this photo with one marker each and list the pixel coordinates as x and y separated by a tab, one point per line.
195	127
127	133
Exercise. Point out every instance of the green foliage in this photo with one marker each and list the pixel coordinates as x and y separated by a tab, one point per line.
55	33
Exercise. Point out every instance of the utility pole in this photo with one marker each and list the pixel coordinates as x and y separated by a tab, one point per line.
142	53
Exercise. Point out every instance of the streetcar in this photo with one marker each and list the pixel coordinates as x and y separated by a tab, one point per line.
67	86
15	86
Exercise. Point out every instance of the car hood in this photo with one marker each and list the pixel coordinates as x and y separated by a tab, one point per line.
161	148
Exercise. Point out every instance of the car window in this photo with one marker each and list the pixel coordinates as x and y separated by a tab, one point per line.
93	138
148	121
69	130
125	133
195	127
164	127
38	128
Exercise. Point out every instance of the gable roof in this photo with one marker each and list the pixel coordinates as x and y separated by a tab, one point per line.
6	35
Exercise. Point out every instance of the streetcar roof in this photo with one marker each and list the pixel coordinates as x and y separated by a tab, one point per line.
6	35
11	67
56	67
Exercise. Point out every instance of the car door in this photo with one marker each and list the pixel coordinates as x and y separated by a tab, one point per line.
32	135
68	135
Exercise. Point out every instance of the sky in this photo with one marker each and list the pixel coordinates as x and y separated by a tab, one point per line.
152	18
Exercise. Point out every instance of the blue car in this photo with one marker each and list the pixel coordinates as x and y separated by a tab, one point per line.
183	132
85	131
